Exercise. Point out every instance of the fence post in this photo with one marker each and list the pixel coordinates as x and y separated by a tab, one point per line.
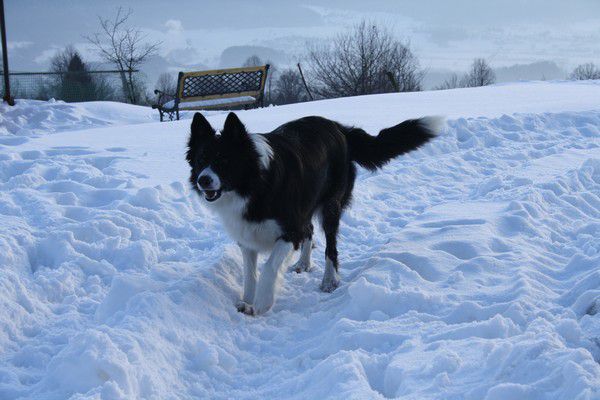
7	98
304	82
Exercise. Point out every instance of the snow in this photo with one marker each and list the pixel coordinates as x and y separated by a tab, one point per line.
41	117
469	268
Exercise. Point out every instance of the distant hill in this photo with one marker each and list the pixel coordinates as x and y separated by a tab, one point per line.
541	70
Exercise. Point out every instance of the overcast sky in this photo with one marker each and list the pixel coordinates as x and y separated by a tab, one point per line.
444	34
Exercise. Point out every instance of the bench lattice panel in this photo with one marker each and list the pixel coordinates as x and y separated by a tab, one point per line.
207	85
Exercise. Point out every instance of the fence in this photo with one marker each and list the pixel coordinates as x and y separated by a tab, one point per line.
77	86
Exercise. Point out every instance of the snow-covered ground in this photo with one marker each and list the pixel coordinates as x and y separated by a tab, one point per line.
471	268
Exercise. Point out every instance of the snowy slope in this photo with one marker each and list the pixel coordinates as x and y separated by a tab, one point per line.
470	268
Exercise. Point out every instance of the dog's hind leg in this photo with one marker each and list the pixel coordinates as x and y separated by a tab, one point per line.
331	214
249	260
304	262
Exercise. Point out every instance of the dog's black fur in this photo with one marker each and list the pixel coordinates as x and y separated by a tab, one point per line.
312	168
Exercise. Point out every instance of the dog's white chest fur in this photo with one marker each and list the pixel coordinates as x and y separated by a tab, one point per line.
258	236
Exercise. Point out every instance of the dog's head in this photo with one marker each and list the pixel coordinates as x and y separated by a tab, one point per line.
221	163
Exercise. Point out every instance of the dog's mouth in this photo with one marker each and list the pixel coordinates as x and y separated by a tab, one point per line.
212	195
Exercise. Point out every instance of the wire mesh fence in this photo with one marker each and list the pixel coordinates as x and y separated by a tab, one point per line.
77	86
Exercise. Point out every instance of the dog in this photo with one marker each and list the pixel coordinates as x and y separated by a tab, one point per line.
266	188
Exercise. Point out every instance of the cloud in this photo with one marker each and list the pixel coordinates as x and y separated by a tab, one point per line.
87	52
19	45
174	26
45	56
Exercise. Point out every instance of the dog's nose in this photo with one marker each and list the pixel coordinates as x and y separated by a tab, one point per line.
204	181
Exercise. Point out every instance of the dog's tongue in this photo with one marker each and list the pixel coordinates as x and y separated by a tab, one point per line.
212	195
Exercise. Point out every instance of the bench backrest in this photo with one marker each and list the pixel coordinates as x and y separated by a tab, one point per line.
222	83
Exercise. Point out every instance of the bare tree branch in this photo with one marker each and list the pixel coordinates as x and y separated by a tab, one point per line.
480	74
452	82
289	88
124	46
359	62
585	72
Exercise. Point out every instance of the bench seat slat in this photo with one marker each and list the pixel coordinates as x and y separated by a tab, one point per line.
198	104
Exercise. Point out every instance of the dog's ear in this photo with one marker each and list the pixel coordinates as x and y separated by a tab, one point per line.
200	130
201	127
233	127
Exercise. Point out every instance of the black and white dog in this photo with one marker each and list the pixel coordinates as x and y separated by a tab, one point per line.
267	187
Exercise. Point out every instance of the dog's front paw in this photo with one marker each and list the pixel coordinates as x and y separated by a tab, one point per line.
244	307
300	267
261	305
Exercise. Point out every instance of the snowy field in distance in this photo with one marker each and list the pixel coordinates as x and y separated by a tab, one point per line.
470	268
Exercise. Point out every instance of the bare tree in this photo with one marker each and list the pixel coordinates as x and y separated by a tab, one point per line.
125	47
60	60
289	88
406	71
167	85
585	72
452	82
253	61
480	74
361	61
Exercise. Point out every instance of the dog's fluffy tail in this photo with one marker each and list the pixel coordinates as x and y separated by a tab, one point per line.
372	152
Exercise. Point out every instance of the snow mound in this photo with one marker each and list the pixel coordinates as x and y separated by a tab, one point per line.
469	267
29	117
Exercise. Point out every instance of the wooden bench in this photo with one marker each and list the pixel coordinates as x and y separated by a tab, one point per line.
215	89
